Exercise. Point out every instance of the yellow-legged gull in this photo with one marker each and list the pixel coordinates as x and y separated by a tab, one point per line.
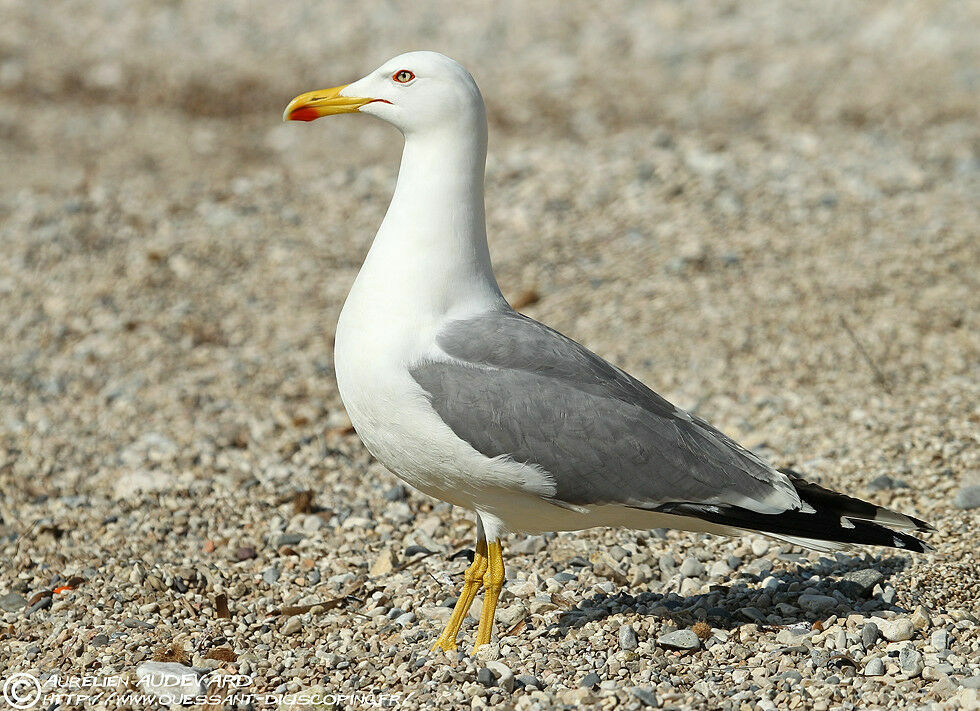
477	405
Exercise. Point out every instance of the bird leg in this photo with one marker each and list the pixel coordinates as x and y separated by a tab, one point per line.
474	580
493	580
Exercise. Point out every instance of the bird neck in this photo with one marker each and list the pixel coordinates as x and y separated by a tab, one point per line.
431	249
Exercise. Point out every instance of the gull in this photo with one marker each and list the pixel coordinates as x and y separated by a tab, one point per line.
475	404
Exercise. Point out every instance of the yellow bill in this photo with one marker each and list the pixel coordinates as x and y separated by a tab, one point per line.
325	102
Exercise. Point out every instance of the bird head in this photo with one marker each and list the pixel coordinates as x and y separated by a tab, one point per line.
415	92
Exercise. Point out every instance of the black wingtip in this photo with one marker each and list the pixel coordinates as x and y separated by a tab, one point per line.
850	507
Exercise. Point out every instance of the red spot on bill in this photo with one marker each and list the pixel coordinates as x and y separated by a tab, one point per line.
303	114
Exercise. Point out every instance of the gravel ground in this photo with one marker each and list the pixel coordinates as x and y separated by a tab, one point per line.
767	211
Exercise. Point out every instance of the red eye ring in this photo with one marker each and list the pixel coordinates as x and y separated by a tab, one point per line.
402	76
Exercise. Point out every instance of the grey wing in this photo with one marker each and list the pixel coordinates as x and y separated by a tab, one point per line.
512	387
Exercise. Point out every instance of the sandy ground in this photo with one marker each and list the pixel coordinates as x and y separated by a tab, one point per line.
767	211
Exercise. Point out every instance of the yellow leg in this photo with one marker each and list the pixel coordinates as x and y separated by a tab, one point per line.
473	581
493	580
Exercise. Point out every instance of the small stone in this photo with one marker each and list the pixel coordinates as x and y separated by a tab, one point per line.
910	661
692	568
439	613
529	545
885	482
405	619
12	602
920	618
968	497
690	586
970	682
760	547
817	603
617	553
874	668
503	674
792	635
383	564
100	640
645	696
939	640
245	553
293	625
720	569
485	677
527	680
270	575
510	616
869	634
289	539
42	604
590	681
898	630
681	639
577	697
396	493
860	583
627	638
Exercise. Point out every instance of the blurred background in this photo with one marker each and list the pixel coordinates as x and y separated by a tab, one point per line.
768	211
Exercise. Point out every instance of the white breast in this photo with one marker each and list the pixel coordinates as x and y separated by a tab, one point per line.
375	345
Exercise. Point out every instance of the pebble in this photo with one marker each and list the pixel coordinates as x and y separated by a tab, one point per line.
504	676
645	696
384	563
860	583
292	625
910	660
245	553
939	640
792	635
590	680
875	667
527	680
885	482
897	630
627	638
42	604
920	618
968	497
289	539
692	568
12	602
270	575
681	639
760	546
869	634
396	493
529	545
720	569
817	603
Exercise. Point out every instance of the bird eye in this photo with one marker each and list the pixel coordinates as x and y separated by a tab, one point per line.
403	76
